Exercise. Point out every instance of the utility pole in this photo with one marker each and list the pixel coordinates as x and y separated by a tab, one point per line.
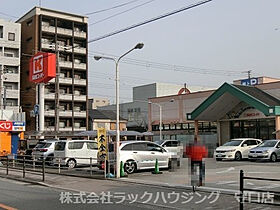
57	88
249	74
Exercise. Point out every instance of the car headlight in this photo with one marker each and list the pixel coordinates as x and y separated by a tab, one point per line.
266	151
232	150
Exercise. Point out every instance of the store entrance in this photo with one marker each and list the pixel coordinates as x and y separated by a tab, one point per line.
260	128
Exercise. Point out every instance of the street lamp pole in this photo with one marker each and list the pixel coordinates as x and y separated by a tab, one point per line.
138	46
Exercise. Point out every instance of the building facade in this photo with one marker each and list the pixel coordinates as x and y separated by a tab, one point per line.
45	30
136	112
10	46
94	103
216	116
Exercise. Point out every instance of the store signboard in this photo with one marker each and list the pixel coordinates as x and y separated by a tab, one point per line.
251	81
12	126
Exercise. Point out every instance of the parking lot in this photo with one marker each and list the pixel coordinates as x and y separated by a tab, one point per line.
221	174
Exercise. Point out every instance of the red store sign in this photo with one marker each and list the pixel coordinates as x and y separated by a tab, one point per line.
6	126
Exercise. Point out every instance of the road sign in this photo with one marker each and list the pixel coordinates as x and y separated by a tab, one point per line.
36	109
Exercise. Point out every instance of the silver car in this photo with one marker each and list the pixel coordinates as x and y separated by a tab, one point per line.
268	150
44	150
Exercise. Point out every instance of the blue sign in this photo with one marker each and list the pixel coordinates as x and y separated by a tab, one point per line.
18	123
36	109
251	81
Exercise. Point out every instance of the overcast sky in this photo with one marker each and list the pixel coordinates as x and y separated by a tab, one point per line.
204	46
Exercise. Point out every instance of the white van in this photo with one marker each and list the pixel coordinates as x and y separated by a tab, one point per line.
75	152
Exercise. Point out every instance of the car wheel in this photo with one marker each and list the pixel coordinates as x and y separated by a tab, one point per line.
71	163
130	166
238	156
273	157
49	159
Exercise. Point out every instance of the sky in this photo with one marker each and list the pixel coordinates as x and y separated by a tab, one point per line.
204	46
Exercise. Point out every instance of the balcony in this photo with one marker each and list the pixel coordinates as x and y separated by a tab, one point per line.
64	31
49	29
12	93
81	50
65	64
62	113
65	80
50	96
15	109
13	61
80	81
80	97
80	66
47	46
67	97
80	34
11	77
80	114
80	129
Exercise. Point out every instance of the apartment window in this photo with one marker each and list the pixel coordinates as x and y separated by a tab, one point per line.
11	36
29	23
1	31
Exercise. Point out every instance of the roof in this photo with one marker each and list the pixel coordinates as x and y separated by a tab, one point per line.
111	133
229	96
97	114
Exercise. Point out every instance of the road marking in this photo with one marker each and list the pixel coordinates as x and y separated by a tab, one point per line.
225	171
267	187
226	182
6	207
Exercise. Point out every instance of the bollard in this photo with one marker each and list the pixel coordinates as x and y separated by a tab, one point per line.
13	160
59	165
90	161
241	200
43	170
33	161
23	167
122	170
7	169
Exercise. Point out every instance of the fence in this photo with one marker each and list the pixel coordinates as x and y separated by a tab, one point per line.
243	189
26	164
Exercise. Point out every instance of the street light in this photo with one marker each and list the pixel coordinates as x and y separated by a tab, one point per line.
138	46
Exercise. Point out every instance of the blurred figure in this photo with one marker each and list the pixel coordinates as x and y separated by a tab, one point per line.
196	152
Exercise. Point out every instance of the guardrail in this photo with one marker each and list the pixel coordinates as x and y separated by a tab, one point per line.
26	164
242	200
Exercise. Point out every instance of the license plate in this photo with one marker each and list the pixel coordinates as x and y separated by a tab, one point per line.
254	155
219	155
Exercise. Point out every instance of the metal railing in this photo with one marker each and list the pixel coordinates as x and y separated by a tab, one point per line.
243	189
30	164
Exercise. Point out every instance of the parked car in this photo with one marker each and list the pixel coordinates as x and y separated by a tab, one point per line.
75	152
44	150
236	149
268	150
137	155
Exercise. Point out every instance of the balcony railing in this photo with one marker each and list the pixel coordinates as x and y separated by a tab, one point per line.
65	64
50	29
81	50
11	77
80	65
80	97
64	31
80	113
12	93
80	81
81	34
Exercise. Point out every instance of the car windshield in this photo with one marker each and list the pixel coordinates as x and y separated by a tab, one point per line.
233	143
159	142
42	145
268	144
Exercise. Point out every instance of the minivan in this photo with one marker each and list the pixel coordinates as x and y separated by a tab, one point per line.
75	152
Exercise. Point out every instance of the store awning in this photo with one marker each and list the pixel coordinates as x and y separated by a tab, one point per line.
225	98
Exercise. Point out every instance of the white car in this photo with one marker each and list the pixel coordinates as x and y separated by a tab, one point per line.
174	147
75	152
236	149
44	150
142	155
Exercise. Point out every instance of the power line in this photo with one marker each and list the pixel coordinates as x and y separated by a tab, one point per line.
149	21
114	7
8	15
128	10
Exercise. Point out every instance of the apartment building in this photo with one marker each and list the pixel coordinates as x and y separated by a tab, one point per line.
45	30
10	65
